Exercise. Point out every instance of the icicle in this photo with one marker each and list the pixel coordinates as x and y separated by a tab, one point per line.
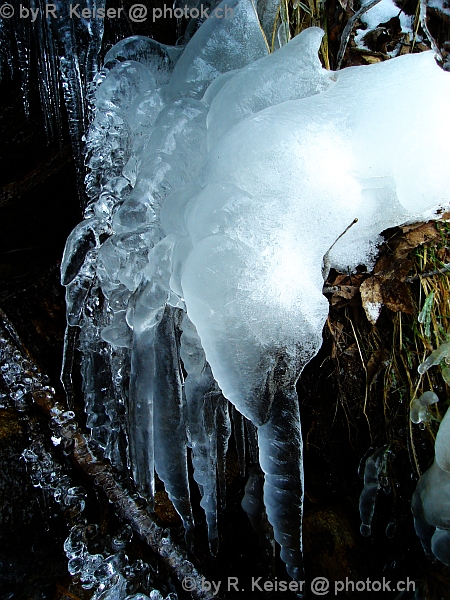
48	71
239	439
223	427
70	338
140	412
95	367
77	65
119	362
6	51
252	440
375	465
73	94
252	502
435	358
201	397
253	505
169	419
22	35
281	459
95	29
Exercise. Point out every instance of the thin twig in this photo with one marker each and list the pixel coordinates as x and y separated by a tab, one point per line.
331	289
348	30
366	395
442	270
326	257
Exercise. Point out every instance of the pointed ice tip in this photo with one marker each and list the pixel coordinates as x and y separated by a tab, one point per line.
214	546
189	536
296	574
309	40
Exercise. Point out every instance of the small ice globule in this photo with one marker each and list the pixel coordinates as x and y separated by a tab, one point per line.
195	280
418	411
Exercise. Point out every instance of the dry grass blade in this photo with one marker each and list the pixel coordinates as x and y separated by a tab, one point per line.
294	16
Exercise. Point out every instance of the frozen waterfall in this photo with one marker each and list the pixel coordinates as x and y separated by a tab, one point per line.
195	281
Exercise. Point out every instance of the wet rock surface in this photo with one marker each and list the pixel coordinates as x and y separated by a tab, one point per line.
31	556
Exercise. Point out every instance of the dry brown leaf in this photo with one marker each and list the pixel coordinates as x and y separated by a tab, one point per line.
372	298
418	236
346	292
370	59
389	268
385	290
397	296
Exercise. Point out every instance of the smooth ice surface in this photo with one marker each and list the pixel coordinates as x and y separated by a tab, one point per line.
436	357
158	58
212	50
418	411
431	500
442	444
292	72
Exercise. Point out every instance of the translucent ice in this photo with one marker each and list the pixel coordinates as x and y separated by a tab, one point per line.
442	444
435	358
419	412
292	72
374	467
211	185
431	500
229	39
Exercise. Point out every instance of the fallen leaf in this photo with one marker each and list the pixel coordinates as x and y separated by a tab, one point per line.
417	236
372	298
346	292
397	296
384	290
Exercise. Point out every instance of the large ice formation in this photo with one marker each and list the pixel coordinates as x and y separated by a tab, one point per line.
218	182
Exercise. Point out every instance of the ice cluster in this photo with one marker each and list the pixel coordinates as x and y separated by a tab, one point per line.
418	412
431	500
108	572
220	177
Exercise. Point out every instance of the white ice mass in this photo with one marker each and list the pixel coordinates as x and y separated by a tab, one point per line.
218	182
